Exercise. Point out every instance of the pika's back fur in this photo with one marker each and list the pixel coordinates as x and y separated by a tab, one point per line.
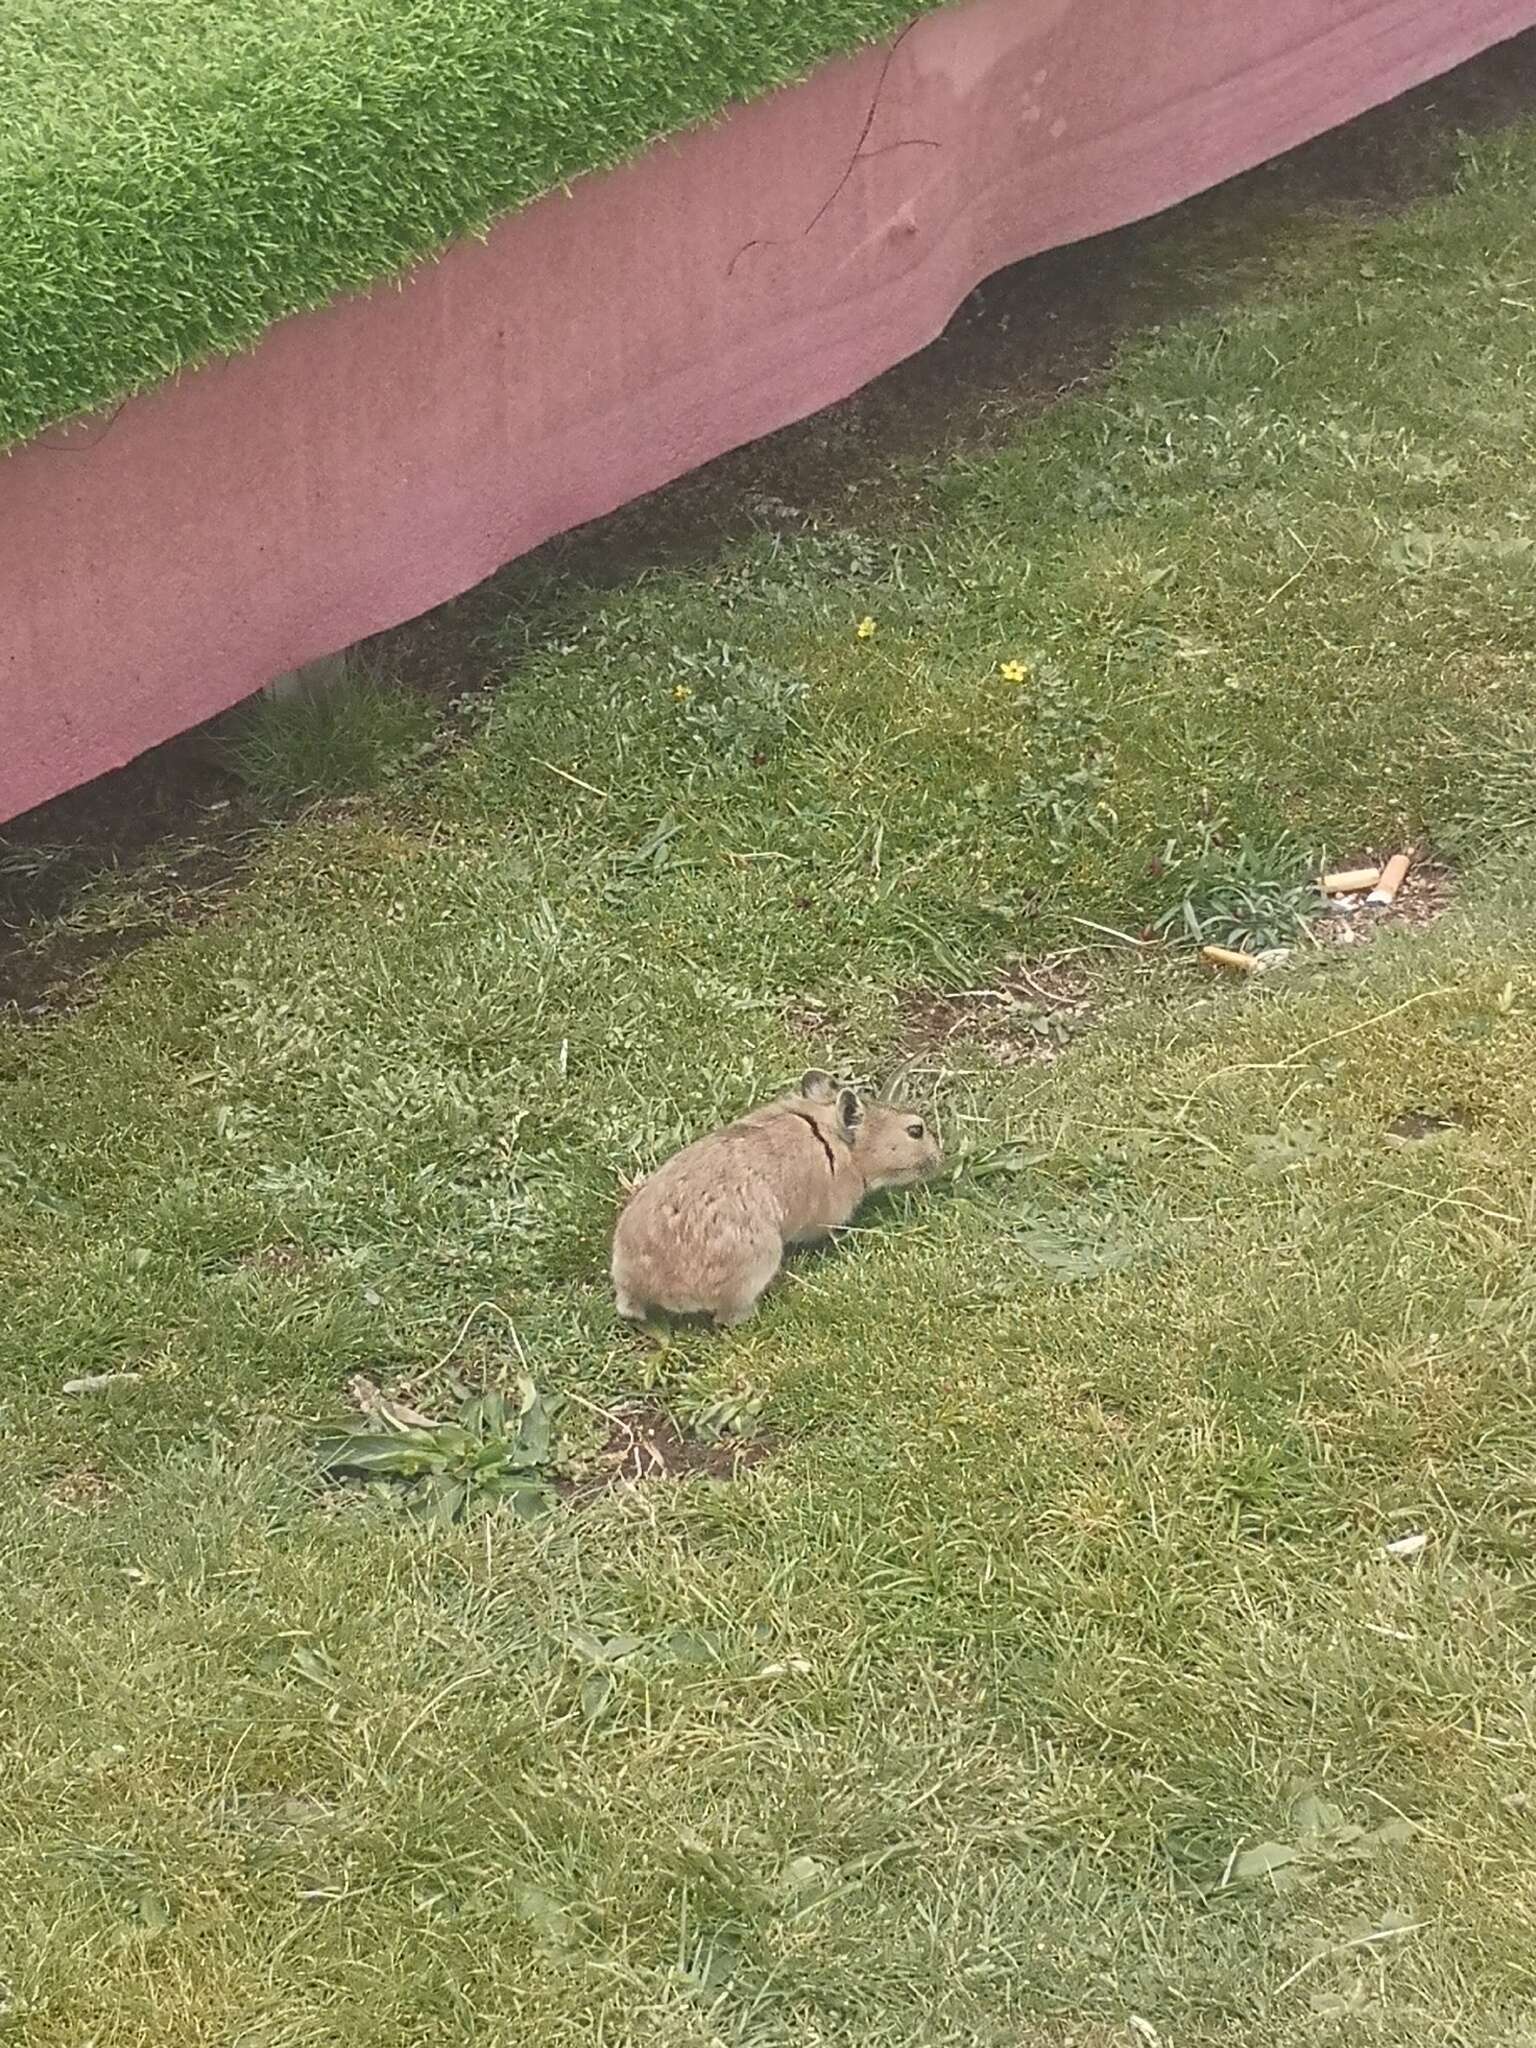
706	1233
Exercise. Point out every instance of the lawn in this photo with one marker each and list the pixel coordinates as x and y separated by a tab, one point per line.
1058	1674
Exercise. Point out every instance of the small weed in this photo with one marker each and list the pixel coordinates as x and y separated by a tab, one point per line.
1250	895
736	707
1320	1833
715	1419
1099	495
494	1451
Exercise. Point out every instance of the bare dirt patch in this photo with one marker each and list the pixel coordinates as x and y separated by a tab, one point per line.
79	1490
644	1445
1029	1016
1424	898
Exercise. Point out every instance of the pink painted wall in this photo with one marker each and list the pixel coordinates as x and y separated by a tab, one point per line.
370	460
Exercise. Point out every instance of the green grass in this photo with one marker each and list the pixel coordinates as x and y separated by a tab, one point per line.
967	1716
351	730
174	176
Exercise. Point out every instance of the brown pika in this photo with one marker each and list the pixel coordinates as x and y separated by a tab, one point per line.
705	1234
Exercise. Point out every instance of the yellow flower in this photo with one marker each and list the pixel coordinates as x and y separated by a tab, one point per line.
1013	672
866	629
682	693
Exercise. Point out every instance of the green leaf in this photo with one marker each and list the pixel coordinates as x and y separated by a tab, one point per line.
151	1912
1263	1860
713	1966
535	1432
451	1440
440	1500
318	1666
1361	1846
1339	2005
402	1456
806	1874
531	1503
596	1689
691	1646
1316	1818
528	1496
517	1459
486	1414
1397	1831
731	1415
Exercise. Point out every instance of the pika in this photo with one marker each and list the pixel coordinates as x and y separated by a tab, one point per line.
705	1234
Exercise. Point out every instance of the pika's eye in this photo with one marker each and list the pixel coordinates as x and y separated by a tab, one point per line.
914	1130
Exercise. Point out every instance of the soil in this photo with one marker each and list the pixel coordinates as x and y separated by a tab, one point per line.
1424	897
79	1490
1025	339
1028	1015
645	1444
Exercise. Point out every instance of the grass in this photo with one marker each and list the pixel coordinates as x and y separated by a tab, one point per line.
175	177
1052	1681
328	740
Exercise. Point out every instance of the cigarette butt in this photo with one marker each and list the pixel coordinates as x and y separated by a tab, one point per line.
1393	875
1350	881
1223	956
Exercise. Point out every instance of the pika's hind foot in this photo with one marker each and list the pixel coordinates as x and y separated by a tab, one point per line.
734	1314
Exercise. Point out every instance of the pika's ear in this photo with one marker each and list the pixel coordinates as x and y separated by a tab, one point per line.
817	1086
850	1112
